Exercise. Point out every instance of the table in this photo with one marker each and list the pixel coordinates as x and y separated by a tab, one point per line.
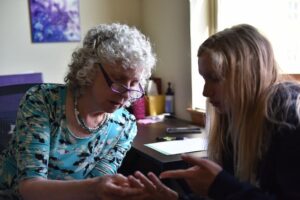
145	159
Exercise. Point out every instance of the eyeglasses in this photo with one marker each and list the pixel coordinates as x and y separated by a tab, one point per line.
118	88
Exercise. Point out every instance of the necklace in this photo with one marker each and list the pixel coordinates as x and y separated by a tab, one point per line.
81	122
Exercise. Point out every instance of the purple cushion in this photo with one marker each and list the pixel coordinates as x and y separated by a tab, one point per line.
16	79
12	89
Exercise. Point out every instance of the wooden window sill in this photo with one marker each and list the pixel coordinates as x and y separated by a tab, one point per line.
197	116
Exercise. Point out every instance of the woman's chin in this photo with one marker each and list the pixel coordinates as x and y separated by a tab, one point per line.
113	107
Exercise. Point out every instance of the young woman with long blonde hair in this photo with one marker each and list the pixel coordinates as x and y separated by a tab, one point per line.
252	121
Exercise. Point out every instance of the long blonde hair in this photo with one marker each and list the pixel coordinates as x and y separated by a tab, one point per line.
244	59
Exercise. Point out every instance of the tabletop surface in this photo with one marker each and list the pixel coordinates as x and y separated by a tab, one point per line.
147	133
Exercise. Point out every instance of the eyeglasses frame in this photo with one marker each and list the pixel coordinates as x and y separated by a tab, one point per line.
110	83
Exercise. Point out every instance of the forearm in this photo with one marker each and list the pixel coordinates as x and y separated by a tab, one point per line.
36	189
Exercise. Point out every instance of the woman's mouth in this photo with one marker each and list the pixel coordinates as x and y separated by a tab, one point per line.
116	104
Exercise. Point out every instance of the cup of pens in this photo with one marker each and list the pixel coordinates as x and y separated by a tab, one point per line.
156	104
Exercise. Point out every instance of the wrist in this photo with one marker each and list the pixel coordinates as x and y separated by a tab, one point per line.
94	189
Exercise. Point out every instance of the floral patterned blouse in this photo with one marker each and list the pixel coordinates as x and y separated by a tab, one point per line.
43	146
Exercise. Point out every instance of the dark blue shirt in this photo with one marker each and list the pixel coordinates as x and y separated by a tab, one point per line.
278	173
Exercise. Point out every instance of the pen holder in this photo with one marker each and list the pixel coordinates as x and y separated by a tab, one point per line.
156	104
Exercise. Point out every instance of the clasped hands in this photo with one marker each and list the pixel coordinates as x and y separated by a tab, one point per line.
140	187
133	187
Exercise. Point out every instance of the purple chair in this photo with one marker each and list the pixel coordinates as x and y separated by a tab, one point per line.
12	88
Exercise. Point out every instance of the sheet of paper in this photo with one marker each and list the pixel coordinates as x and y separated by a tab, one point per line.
179	146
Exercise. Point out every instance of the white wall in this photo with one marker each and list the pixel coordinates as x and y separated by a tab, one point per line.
167	24
18	54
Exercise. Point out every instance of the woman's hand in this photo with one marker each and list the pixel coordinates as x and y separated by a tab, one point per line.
133	187
113	187
154	188
199	177
108	187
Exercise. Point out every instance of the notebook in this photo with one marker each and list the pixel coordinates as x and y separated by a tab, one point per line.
179	146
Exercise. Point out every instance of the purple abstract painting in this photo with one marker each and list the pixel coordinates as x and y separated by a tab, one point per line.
54	20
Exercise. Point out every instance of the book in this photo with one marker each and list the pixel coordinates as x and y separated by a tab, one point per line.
179	146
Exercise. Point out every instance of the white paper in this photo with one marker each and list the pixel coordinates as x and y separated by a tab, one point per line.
179	146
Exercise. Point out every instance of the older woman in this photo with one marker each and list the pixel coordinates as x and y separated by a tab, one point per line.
70	139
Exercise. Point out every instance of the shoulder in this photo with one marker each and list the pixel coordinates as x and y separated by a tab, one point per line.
44	92
283	106
123	115
285	90
44	97
46	88
284	96
123	122
122	119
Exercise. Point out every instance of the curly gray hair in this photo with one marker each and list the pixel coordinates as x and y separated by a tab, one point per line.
112	44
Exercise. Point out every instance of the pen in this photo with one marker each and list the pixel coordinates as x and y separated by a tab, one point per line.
184	130
168	138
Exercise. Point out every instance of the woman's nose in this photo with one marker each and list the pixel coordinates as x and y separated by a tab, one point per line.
126	94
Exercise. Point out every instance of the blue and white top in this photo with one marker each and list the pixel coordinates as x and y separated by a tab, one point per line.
43	146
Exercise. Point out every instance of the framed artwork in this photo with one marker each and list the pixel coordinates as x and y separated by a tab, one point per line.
54	20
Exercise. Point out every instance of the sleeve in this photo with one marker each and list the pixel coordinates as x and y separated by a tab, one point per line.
226	187
287	163
279	174
32	135
112	160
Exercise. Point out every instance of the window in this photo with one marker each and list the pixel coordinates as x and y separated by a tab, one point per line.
278	20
